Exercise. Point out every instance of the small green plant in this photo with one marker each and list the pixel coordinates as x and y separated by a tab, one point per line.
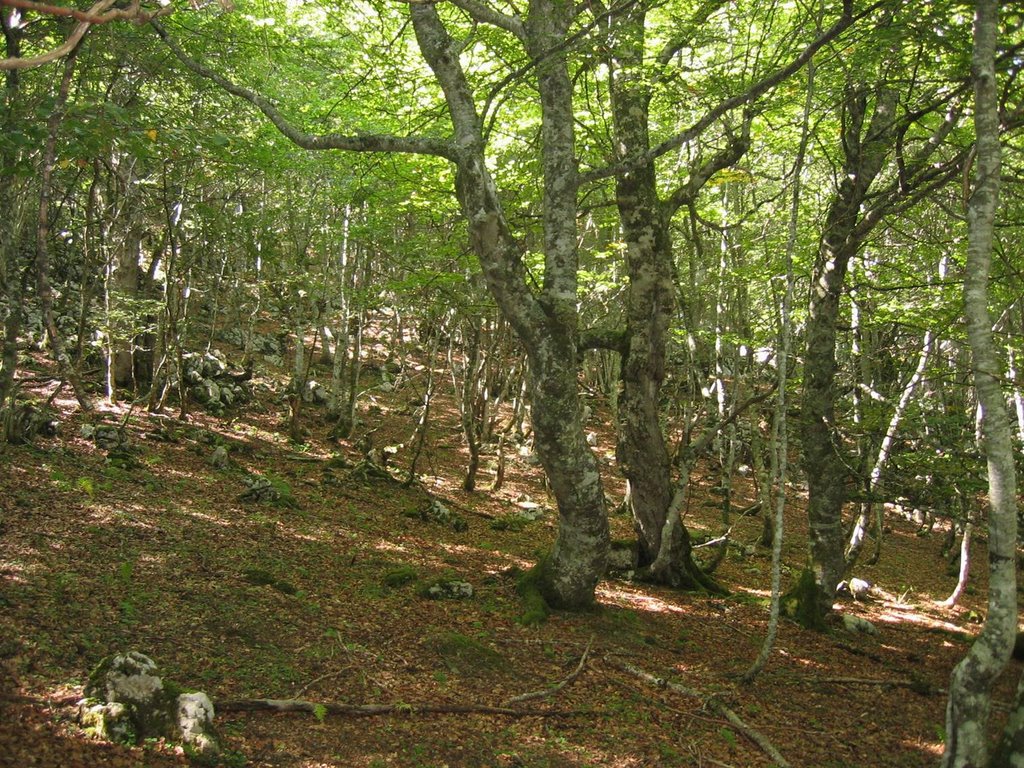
332	633
319	712
510	523
129	613
728	736
400	576
62	584
85	485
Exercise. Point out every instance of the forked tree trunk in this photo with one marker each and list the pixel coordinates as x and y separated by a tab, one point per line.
654	500
970	684
546	324
823	459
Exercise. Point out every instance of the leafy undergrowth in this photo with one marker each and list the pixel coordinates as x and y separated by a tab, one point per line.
323	598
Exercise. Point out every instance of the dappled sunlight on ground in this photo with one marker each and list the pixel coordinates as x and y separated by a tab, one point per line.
384	545
324	601
632	598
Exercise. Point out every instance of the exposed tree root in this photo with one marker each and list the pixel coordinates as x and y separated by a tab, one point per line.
371	710
711	702
555	689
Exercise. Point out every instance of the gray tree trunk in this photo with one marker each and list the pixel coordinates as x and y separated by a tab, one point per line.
42	264
645	219
823	461
641	451
12	214
969	688
546	323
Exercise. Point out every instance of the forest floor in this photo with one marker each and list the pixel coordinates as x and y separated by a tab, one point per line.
320	599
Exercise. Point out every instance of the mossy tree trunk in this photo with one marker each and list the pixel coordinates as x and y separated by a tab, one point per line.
645	218
823	457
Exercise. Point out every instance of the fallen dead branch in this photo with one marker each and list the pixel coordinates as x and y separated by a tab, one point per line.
371	710
917	686
711	702
555	689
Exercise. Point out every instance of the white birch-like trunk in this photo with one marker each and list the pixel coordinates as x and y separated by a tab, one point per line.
856	542
779	448
967	712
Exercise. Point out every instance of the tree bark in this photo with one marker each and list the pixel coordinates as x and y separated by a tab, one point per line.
546	323
969	689
641	450
12	277
823	458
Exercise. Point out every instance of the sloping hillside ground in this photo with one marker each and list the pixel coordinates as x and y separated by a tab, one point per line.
318	597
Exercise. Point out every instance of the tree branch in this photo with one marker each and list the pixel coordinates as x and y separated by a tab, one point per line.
729	156
602	338
757	90
481	13
712	702
551	691
94	15
62	50
370	710
358	143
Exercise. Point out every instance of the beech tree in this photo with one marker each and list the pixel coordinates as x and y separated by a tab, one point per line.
545	320
881	121
970	683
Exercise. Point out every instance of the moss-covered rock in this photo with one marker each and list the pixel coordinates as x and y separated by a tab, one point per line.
127	701
529	588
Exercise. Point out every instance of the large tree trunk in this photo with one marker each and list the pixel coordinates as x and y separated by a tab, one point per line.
547	324
823	457
969	688
642	452
12	208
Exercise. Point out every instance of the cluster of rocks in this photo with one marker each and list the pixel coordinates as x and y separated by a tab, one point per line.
259	489
106	437
127	701
448	590
316	393
436	512
623	558
212	384
269	347
23	421
114	440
